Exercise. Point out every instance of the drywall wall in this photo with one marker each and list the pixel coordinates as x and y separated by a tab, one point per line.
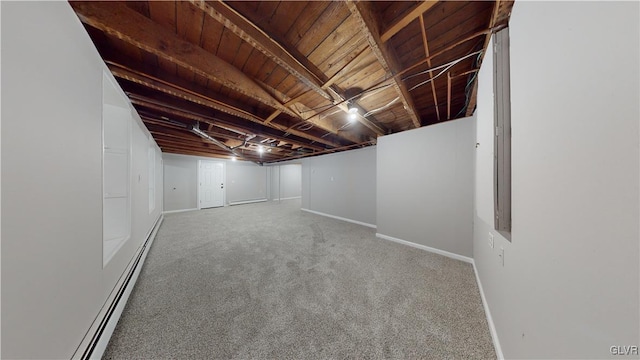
342	184
425	186
53	280
244	181
569	284
285	179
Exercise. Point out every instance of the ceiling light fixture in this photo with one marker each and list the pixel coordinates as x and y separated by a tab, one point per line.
353	112
233	158
260	149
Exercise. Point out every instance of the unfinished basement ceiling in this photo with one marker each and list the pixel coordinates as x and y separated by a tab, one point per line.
268	81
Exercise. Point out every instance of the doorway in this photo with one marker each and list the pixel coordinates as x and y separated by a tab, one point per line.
211	184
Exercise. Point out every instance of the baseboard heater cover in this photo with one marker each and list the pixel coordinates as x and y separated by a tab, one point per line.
95	342
247	202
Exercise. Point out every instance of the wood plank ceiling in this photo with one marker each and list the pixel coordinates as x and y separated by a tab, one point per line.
268	81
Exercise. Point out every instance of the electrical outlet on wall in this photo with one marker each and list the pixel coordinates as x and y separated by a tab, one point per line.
491	240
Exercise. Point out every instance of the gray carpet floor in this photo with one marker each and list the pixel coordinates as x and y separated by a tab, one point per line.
268	281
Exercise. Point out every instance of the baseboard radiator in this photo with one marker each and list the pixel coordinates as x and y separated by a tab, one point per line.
97	338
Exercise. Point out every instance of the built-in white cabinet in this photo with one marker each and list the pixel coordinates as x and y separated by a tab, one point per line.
116	169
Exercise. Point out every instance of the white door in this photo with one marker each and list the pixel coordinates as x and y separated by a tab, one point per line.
211	184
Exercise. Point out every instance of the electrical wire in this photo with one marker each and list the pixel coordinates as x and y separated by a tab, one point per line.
375	89
467	89
441	66
371	112
448	66
305	128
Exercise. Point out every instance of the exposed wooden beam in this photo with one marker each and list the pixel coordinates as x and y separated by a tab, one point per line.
242	154
177	91
264	43
179	132
166	87
369	28
426	51
249	32
227	132
272	116
118	20
186	94
474	92
157	106
401	23
440	52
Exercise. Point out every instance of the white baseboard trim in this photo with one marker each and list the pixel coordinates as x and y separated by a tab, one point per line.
340	218
247	202
492	326
426	248
287	198
95	342
178	211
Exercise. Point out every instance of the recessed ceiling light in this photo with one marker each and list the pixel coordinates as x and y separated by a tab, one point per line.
233	158
260	149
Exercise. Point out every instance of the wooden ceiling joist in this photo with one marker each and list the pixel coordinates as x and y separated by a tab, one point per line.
401	23
426	51
252	73
164	108
177	91
443	51
126	24
174	90
257	38
253	35
369	28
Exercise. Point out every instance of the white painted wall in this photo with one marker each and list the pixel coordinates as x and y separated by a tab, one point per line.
285	179
569	286
342	184
245	181
425	186
53	282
